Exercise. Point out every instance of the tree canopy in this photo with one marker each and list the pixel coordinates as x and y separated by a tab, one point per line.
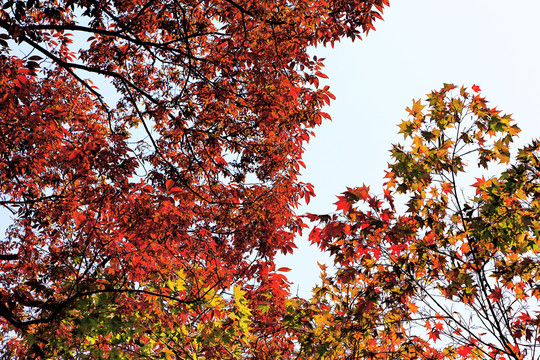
146	216
148	226
453	272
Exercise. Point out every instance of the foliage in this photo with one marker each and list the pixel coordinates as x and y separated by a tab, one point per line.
148	228
454	273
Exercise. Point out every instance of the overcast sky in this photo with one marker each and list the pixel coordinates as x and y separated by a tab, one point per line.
420	45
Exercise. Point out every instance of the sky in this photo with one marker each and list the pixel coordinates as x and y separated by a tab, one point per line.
420	45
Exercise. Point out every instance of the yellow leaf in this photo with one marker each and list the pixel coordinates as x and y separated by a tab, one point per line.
416	108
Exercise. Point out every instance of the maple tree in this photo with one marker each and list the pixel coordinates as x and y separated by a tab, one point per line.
453	271
162	244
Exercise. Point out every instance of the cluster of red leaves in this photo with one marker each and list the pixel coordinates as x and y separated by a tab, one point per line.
154	233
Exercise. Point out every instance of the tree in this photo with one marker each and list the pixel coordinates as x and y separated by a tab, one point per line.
452	272
148	228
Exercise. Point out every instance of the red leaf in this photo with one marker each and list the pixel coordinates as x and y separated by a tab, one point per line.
496	294
464	351
342	204
434	335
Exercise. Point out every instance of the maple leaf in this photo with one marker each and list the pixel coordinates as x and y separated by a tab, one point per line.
407	128
476	88
343	204
447	187
496	294
416	108
480	184
434	335
413	308
464	351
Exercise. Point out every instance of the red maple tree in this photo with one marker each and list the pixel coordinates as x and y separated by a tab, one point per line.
160	244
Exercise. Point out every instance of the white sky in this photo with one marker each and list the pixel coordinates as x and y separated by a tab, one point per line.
420	45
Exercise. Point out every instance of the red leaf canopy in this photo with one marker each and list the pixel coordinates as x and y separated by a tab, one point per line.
147	212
